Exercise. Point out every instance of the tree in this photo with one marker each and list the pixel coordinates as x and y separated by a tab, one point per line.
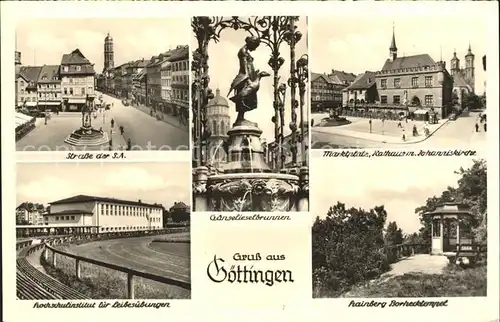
347	246
394	235
471	190
472	101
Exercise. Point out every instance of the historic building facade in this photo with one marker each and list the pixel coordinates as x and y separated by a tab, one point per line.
362	91
108	214
219	120
26	82
49	88
166	84
327	89
414	83
77	80
153	81
180	79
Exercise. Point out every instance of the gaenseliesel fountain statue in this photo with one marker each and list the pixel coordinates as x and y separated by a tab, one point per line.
246	182
86	135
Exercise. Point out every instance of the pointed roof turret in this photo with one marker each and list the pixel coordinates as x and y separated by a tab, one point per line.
393	42
469	51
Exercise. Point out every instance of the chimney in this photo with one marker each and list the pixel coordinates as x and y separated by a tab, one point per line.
217	92
140	201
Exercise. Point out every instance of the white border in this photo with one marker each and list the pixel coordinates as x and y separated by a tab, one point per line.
460	309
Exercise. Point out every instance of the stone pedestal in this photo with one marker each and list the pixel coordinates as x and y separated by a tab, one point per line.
200	201
247	182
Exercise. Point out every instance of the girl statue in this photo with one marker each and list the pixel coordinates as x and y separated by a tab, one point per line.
246	84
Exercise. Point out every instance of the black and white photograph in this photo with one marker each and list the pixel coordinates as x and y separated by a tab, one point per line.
102	84
404	80
417	229
250	108
123	236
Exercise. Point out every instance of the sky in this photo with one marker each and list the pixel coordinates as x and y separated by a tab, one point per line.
363	43
151	182
224	66
44	41
399	186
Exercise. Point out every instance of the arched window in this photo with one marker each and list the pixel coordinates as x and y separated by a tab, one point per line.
214	125
222	127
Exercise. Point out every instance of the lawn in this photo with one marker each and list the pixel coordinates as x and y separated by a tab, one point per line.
454	282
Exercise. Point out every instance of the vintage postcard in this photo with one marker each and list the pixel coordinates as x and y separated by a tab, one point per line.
90	86
250	161
250	113
382	82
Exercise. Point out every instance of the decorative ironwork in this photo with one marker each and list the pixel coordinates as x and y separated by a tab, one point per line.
272	31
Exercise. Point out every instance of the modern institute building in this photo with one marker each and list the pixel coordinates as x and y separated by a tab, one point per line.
104	214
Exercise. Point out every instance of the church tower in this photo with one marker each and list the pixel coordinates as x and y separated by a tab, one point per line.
109	56
393	50
218	119
455	64
469	68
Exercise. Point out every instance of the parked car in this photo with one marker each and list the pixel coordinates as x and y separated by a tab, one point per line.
452	117
125	102
108	107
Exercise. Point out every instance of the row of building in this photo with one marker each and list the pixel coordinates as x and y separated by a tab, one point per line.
101	213
404	84
64	87
161	82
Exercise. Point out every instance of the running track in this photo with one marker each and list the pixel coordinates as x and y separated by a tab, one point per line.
165	259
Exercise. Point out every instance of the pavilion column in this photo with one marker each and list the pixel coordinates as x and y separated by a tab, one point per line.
441	233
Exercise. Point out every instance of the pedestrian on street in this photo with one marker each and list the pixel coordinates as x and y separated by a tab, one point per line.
399	124
477	127
129	144
112	123
484	126
370	122
404	135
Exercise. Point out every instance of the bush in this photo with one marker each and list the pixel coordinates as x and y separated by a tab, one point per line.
347	249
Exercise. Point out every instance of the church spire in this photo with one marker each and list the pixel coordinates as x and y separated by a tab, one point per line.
393	50
393	42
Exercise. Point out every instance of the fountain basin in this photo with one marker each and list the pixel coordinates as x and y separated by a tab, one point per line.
267	192
87	137
334	121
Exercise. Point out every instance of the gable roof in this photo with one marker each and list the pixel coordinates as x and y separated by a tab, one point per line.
408	62
49	71
74	58
85	198
179	53
363	81
179	206
342	76
459	81
316	76
30	73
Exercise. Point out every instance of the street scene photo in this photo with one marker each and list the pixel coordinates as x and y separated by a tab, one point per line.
102	84
400	231
250	113
399	80
124	236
